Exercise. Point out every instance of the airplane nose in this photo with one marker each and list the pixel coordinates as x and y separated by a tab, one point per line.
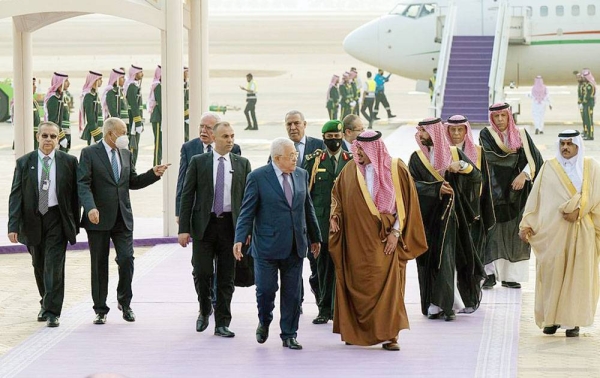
362	43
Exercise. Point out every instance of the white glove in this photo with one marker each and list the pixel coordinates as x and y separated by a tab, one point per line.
187	121
353	103
139	129
132	131
580	106
64	142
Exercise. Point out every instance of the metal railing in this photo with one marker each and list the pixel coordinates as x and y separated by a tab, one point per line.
437	101
499	54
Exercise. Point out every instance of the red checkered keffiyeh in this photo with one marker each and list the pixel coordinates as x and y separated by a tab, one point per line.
442	157
383	188
514	141
469	147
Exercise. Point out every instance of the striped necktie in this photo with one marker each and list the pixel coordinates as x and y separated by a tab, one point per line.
44	187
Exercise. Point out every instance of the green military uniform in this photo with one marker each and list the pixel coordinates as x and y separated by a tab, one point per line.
588	93
356	93
66	120
347	96
323	167
580	85
156	119
333	102
186	111
55	109
134	99
92	114
115	102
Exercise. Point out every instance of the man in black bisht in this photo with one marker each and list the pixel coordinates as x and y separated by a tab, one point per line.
461	136
513	162
448	183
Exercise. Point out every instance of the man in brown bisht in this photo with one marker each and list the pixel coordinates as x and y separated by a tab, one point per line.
375	228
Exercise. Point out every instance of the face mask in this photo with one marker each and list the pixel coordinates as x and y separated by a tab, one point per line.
333	144
122	142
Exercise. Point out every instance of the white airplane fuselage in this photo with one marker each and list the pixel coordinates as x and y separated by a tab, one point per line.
559	45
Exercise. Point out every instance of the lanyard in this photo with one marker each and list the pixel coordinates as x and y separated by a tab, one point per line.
44	165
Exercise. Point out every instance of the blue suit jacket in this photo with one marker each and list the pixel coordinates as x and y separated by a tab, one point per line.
312	144
188	150
276	225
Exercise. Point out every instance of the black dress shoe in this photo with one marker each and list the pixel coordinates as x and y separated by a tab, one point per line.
449	316
262	333
100	319
511	285
320	320
201	323
391	115
128	314
249	127
489	282
292	343
537	131
223	332
551	330
434	316
41	317
573	332
541	132
52	321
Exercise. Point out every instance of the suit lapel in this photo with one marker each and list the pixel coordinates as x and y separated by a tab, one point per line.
32	168
274	181
237	174
124	164
210	178
101	152
296	186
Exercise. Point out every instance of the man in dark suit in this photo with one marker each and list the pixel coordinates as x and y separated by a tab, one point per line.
44	215
279	213
353	126
210	205
105	176
196	146
295	125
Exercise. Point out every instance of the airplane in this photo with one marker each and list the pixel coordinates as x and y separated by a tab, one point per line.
551	38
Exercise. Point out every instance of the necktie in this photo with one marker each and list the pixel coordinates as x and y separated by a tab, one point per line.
287	189
44	187
219	187
299	160
114	164
334	160
208	148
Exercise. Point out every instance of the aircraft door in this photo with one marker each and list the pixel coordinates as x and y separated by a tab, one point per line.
489	12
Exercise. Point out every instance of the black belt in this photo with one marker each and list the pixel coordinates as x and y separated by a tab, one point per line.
220	216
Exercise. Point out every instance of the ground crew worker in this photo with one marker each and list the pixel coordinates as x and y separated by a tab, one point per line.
250	110
380	97
369	99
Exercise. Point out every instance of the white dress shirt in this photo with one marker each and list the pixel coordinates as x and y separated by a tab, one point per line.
109	153
279	174
301	147
228	173
52	198
212	147
570	167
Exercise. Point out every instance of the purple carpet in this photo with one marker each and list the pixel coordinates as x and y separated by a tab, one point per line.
163	341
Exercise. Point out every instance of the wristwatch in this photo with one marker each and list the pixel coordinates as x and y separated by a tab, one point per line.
463	165
395	232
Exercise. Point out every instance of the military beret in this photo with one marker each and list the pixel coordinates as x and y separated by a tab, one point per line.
333	126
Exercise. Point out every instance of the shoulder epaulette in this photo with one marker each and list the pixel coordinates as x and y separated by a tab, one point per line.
315	154
346	155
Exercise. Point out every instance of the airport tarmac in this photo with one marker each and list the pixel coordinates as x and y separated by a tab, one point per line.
292	78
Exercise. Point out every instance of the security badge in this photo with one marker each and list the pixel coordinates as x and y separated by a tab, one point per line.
45	185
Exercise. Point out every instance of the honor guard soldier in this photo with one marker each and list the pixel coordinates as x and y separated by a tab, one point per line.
186	104
323	167
90	111
333	97
588	100
113	103
55	107
347	95
155	110
36	115
133	96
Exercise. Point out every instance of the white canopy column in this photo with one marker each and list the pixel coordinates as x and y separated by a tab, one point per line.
198	65
172	116
22	91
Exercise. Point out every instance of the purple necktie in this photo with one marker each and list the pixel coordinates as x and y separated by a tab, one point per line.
219	187
287	189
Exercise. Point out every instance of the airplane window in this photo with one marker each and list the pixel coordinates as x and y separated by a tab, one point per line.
575	10
398	9
591	10
544	11
427	10
560	10
412	11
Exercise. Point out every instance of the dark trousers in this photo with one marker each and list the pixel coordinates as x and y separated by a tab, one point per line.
186	132
368	104
587	114
157	129
249	111
265	276
346	109
380	98
333	112
216	244
313	280
99	242
48	260
326	273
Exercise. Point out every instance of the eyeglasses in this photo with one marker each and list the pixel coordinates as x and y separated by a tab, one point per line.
358	130
291	156
51	136
206	127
